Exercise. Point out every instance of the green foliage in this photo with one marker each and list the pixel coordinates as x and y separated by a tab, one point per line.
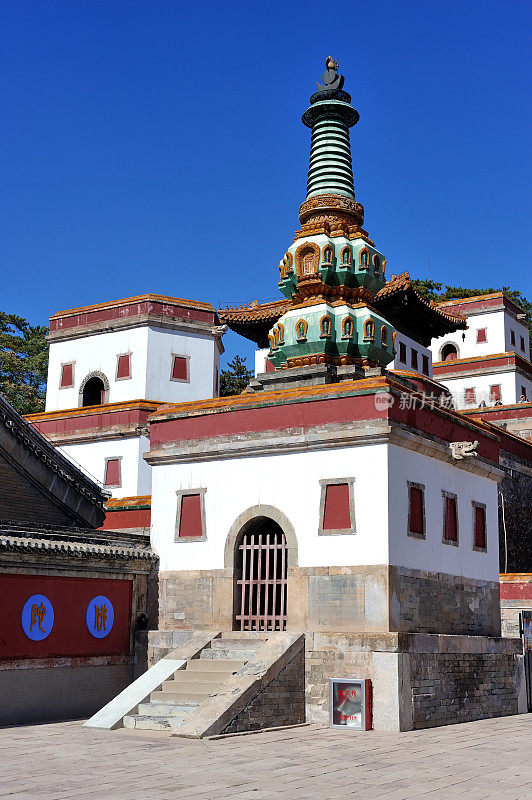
431	290
23	363
235	379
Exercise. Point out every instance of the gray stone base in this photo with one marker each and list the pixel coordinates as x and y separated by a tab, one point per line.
351	599
418	680
315	375
56	692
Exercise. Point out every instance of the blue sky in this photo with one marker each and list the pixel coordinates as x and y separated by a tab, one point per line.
155	146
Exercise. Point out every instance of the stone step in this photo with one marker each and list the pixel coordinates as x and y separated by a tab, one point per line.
165	709
236	643
208	675
152	723
227	655
197	685
178	696
218	665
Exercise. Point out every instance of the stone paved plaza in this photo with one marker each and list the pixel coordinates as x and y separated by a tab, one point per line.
475	760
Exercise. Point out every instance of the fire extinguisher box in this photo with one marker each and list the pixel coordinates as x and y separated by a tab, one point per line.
350	703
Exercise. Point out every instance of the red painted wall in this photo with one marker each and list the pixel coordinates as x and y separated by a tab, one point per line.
69	598
128	518
516	590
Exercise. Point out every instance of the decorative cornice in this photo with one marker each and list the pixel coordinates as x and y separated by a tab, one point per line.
141	298
141	320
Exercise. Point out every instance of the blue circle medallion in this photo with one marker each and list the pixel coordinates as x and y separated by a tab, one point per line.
100	616
37	617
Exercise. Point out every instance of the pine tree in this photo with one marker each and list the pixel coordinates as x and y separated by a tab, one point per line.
235	379
23	363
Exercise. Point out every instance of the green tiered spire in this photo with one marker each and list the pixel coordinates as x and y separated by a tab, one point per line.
330	116
333	270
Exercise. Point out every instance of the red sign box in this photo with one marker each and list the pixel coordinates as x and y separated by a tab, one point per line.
70	598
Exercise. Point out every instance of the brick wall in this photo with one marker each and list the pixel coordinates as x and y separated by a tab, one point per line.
186	599
516	488
281	702
21	501
432	602
452	687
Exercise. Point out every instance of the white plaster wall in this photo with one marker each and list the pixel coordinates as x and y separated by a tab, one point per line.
98	353
290	483
204	359
520	329
431	553
135	472
151	363
410	345
495	324
482	383
260	360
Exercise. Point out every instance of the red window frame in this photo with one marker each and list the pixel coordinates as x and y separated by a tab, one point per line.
180	370
112	472
336	511
495	392
425	367
123	367
479	523
416	510
67	376
413	359
190	522
482	335
470	396
402	352
450	518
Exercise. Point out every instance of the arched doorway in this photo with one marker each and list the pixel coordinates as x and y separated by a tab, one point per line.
93	392
260	571
449	352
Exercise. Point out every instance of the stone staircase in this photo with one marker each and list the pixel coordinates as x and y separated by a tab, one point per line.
211	682
188	688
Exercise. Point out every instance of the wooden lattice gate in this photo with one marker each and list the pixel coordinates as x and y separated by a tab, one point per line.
260	571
